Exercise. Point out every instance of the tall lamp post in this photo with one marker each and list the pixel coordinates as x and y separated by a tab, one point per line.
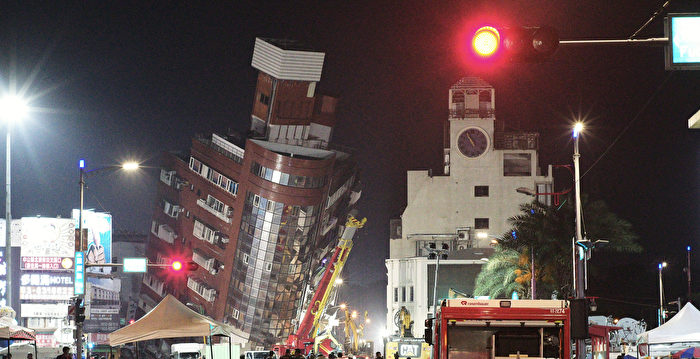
662	265
129	166
12	109
578	279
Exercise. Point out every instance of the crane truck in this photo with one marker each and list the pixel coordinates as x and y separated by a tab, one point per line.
305	337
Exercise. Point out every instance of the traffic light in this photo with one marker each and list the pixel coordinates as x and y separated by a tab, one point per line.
79	310
179	266
515	44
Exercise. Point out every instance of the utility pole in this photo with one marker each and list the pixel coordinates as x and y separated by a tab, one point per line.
687	300
578	261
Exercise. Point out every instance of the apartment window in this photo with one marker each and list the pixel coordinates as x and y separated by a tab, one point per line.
396	294
245	258
264	99
410	294
481	191
235	313
481	223
517	164
268	267
403	294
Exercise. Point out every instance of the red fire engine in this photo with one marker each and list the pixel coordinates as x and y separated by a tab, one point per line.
500	329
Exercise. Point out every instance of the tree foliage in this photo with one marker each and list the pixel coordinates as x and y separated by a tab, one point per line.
548	232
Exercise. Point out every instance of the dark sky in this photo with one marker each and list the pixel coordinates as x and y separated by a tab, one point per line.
113	80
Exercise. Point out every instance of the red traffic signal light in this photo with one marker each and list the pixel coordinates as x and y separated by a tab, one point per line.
515	44
179	266
486	41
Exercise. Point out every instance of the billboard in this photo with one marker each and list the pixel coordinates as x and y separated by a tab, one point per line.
16	230
103	308
44	310
99	232
47	237
683	49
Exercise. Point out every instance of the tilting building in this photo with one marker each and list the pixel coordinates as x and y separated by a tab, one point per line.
258	215
465	208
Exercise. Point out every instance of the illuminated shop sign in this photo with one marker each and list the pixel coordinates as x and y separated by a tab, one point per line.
46	340
45	279
44	310
45	293
47	263
48	237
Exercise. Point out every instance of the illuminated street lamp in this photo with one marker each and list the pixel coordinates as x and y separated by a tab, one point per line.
129	166
662	265
578	281
12	109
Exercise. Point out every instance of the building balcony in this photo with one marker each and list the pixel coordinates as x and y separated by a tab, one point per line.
164	232
204	291
167	177
172	210
202	259
154	284
471	113
331	223
226	217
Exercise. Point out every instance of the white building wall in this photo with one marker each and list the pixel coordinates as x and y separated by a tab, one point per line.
439	206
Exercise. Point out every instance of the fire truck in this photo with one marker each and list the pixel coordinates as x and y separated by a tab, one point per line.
500	329
305	338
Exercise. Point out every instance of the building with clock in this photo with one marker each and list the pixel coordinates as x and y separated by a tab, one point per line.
464	208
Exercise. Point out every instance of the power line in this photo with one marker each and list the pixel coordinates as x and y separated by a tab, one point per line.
629	124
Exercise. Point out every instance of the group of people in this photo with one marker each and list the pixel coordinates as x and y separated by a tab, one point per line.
64	355
298	355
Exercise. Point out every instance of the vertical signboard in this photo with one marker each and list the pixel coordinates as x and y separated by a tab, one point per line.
79	279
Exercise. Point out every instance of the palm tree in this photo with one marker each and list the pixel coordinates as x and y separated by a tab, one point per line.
547	231
507	271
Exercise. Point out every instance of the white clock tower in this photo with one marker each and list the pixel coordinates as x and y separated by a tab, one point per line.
465	208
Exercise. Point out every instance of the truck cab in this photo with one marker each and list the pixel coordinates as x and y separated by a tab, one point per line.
186	351
500	329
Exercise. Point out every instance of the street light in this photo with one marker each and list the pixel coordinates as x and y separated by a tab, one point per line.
12	109
662	265
579	292
129	166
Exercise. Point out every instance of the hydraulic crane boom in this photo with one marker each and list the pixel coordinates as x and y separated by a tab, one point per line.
310	321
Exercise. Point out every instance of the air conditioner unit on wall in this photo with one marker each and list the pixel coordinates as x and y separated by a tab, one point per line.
463	234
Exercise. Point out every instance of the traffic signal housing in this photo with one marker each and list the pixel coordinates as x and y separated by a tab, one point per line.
79	310
179	266
514	44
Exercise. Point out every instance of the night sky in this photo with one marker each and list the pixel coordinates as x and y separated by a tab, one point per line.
116	80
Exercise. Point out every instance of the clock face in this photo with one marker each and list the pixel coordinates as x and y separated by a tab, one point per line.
473	142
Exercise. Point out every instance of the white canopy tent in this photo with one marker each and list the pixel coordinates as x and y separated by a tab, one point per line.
172	319
684	327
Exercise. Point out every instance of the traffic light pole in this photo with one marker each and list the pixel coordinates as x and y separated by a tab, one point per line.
650	41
